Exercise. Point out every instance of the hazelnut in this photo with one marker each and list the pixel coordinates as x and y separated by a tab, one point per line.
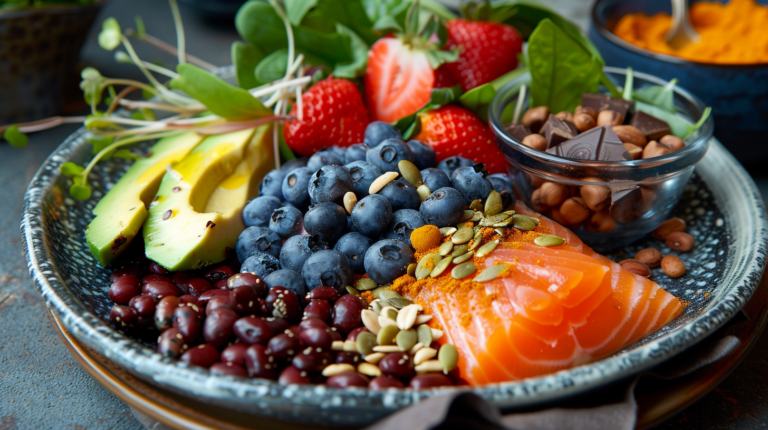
630	134
574	210
635	151
555	214
635	267
651	257
535	181
536	201
655	149
535	141
609	118
534	118
583	122
672	266
552	194
595	196
602	222
680	241
565	116
587	110
669	226
672	142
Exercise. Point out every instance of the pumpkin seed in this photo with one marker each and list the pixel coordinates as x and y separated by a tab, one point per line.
424	268
365	284
389	312
462	236
423	191
462	258
350	200
410	173
504	223
491	273
376	305
467	216
491	220
476	205
535	221
423	355
448	357
400	302
549	240
425	335
460	250
381	181
411	269
476	240
463	270
387	335
487	248
376	292
493	200
445	248
365	342
447	231
494	210
523	222
388	294
406	339
440	267
510	213
351	290
478	217
371	321
499	231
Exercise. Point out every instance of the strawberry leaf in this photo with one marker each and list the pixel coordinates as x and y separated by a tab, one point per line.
387	24
437	58
245	58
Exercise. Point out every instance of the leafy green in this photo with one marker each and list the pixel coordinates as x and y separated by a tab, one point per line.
658	95
80	191
219	97
100	143
245	58
525	16
141	31
629	84
479	98
356	67
562	69
274	65
71	170
296	9
15	137
110	36
349	13
92	85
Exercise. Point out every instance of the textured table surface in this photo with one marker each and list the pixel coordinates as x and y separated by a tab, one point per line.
41	384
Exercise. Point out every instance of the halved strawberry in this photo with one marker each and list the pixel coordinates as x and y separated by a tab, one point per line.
452	130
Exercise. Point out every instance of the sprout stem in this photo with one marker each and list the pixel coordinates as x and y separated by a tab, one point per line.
157	43
134	104
119	97
179	31
171	96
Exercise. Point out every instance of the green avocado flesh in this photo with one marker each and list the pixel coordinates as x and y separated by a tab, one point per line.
197	213
122	211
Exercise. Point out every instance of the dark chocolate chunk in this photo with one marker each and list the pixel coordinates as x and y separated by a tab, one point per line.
599	143
627	205
518	131
556	131
600	102
653	128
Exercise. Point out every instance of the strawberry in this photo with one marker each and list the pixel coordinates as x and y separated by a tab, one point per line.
452	130
487	50
444	78
334	114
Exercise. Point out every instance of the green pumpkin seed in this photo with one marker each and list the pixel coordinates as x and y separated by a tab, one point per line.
510	213
440	267
490	273
487	248
463	270
467	216
406	339
535	221
424	334
423	191
399	302
476	205
377	291
499	231
365	284
459	250
387	335
447	231
462	236
476	240
445	248
410	173
494	210
423	269
493	200
411	269
448	356
478	217
523	222
351	290
504	223
376	306
365	342
387	295
491	220
549	240
462	258
390	313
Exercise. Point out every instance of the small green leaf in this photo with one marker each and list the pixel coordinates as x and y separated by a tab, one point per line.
15	137
111	35
387	24
437	58
273	67
659	96
149	114
71	170
80	192
141	31
245	58
356	67
92	85
296	9
123	57
100	143
146	95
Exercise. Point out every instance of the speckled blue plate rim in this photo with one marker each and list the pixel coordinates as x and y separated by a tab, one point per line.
734	190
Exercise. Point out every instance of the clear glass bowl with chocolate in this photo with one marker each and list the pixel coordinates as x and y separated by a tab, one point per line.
604	180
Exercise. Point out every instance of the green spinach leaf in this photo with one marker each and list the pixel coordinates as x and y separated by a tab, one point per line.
658	95
356	67
296	9
245	58
274	65
479	98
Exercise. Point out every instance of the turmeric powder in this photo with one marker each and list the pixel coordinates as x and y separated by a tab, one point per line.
732	33
426	237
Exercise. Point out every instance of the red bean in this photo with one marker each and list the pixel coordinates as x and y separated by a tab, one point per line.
293	330
283	303
283	346
384	382
124	289
234	354
353	334
397	364
123	316
143	305
164	312
197	286
312	323
205	355
346	313
216	274
218	302
250	280
160	289
170	343
292	375
252	330
187	299
206	296
188	321
278	325
347	379
181	279
156	268
128	270
328	294
348	357
263	307
430	380
312	360
154	277
228	369
217	329
259	363
316	337
319	309
221	285
245	301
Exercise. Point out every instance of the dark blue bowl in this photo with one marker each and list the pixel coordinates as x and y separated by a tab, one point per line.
738	94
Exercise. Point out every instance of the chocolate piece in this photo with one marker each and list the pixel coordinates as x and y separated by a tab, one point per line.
653	128
627	205
557	131
518	131
600	102
599	143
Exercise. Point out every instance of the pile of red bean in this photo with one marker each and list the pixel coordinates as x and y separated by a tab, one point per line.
232	324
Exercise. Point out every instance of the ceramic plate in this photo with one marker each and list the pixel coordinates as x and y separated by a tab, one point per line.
723	209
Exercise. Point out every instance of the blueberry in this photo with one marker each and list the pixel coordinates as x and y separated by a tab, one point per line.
471	182
286	222
435	179
324	157
387	260
257	211
257	239
354	246
339	150
289	279
351	225
328	220
355	153
372	215
260	264
388	154
329	184
297	249
401	195
423	154
295	187
327	268
443	208
452	163
363	174
272	184
503	185
404	222
379	131
294	164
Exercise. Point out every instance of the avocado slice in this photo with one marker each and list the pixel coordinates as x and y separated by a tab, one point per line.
122	211
197	213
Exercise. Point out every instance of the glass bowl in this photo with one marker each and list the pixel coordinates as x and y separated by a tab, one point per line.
640	193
